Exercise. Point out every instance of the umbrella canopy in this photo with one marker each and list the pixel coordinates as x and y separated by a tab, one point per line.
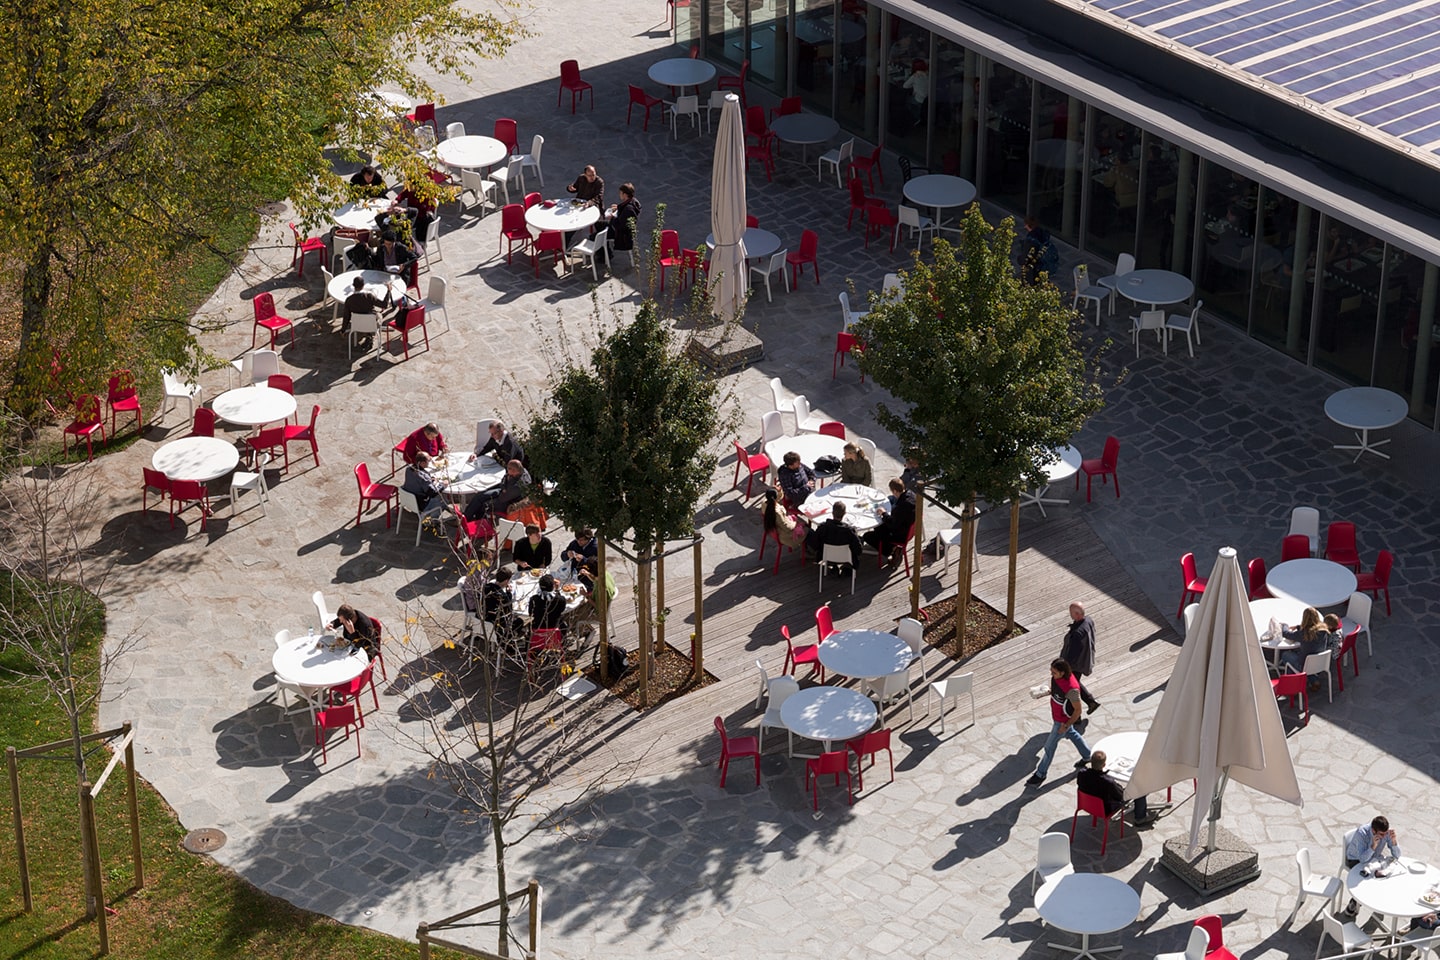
727	212
1218	719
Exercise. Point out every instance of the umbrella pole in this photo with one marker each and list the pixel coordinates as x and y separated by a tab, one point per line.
1215	808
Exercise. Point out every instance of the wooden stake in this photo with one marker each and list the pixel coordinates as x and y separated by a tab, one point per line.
132	800
1014	549
919	547
602	605
660	616
21	860
91	842
697	646
643	596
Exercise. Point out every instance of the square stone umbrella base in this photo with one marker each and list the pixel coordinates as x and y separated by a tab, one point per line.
1232	862
724	347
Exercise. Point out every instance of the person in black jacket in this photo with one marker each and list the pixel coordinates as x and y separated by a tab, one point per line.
894	529
359	629
498	606
835	532
534	551
622	218
547	607
584	547
1078	650
1096	782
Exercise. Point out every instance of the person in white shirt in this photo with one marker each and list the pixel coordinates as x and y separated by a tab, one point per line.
1369	844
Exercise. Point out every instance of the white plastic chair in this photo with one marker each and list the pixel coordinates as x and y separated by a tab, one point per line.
453	130
322	611
512	530
837	158
891	282
684	107
1357	618
263	364
836	553
482	434
1190	610
512	172
244	480
1423	942
1052	858
1186	324
325	277
363	325
1323	885
244	365
891	688
410	504
716	102
917	224
1318	665
1306	520
776	264
435	298
949	689
592	249
912	631
1195	947
481	189
1148	320
178	389
1086	291
778	689
430	250
867	447
531	160
805	421
847	315
1349	936
782	405
1123	265
771	428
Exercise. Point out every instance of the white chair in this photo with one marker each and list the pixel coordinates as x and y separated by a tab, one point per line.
782	405
1148	320
805	421
771	428
949	689
430	250
178	389
890	689
325	278
592	248
1323	885
1318	665
263	364
531	160
1195	947
512	530
453	130
1186	324
282	637
1350	937
244	480
410	504
917	224
778	689
1086	291
512	172
1357	619
363	325
684	107
1190	610
912	631
716	102
340	246
1125	264
1424	942
867	447
838	158
1306	520
836	553
481	189
1052	858
776	265
847	315
891	282
244	364
322	611
482	434
435	298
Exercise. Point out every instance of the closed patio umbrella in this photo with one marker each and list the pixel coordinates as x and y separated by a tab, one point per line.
1218	720
727	212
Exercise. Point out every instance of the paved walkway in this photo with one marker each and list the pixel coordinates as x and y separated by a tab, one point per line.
1215	451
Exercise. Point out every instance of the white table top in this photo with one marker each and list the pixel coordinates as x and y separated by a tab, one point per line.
828	713
861	513
377	282
1366	408
524	586
464	476
758	243
1121	751
810	446
1064	465
471	152
565	216
865	654
359	215
300	662
196	458
682	72
1087	903
804	128
1155	287
1312	581
939	190
253	406
1283	609
1394	896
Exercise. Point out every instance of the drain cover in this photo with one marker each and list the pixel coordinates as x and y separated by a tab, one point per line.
204	840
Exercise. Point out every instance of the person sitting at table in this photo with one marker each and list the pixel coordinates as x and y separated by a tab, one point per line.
359	300
420	481
834	532
894	529
513	488
1370	843
797	481
791	531
588	187
533	551
359	629
855	468
501	445
547	607
368	182
427	438
392	256
622	218
498	604
583	547
419	211
1312	636
1096	782
910	476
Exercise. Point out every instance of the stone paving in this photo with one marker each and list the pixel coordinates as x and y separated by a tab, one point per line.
1215	451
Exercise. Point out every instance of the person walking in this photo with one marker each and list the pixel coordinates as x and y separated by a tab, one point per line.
1078	650
1064	711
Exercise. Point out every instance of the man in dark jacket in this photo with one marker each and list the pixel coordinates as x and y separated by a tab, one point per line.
1096	782
894	529
1078	650
835	532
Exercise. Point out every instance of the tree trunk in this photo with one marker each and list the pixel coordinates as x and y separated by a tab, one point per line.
602	606
697	644
965	579
1014	550
497	836
30	377
918	545
642	595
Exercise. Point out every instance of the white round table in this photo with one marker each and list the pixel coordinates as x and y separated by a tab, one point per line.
810	446
464	477
302	661
828	714
865	654
524	586
804	129
939	191
1153	287
1394	896
759	244
1063	465
1281	609
396	103
377	283
566	216
1087	904
1365	409
196	458
862	512
253	406
1121	751
471	152
682	72
1312	581
359	215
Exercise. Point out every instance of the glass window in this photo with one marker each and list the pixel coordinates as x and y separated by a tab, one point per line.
1167	206
1407	353
725	32
1058	161
908	82
769	43
1350	296
955	91
687	23
1007	136
817	50
1230	209
1114	183
1285	274
857	104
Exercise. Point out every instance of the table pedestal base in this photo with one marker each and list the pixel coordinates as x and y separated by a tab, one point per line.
1084	950
1364	446
1038	499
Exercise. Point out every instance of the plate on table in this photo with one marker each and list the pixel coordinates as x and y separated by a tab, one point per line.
534	574
570	588
1430	898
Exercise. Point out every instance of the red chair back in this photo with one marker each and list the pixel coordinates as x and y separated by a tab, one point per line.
1296	546
362	475
281	381
425	113
1087	803
187	490
833	762
1340	536
264	305
549	638
531	199
204	423
1383	563
790	105
872	742
752	221
156	480
1256	568
809	242
744	70
669	243
1211	925
267	438
755	124
824	623
512	217
637	95
724	738
1289	684
506	131
414	317
1187	569
122	386
833	428
695	51
569	71
87	410
1110	458
857	192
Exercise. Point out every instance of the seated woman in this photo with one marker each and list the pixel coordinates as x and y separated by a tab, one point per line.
359	629
428	490
499	607
547	607
1313	637
534	551
855	468
791	531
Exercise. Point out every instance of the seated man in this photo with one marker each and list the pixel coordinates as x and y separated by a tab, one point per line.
797	481
584	547
547	607
392	256
427	439
534	551
369	182
1096	782
501	445
589	187
428	490
1371	843
498	605
359	300
359	629
894	529
835	531
513	488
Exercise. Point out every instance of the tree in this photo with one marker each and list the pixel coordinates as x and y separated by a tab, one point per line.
987	371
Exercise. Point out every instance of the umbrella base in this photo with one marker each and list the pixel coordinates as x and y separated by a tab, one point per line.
725	347
1232	862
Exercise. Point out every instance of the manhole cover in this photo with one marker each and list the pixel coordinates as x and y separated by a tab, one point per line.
204	840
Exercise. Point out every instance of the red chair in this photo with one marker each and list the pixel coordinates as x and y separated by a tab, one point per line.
1095	806
305	434
269	440
671	256
531	199
204	423
122	397
414	320
157	481
570	80
824	626
350	692
859	201
880	220
1347	645
336	718
189	491
833	428
751	220
508	133
641	98
752	462
283	381
1106	466
513	229
794	656
1216	950
1340	544
87	421
544	644
424	114
551	242
372	492
694	47
380	647
762	151
835	762
868	746
1258	590
755	125
1293	685
788	105
1373	582
265	316
1194	584
304	245
1296	546
808	253
736	83
780	548
869	165
733	748
887	548
845	344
